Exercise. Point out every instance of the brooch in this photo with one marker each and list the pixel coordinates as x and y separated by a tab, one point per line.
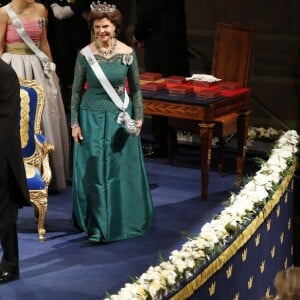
127	59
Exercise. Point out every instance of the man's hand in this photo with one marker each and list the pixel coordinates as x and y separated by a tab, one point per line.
62	12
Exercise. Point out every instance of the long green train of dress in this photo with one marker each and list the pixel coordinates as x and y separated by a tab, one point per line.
111	195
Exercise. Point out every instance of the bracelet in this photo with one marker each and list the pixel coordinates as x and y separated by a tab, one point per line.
74	125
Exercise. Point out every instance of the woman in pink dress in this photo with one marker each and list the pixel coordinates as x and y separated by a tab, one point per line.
26	63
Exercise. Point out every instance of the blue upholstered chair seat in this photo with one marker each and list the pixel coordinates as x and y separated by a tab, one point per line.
34	178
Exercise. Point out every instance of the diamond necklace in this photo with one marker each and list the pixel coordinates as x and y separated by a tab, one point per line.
108	51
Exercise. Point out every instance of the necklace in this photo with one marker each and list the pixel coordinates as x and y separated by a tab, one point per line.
107	51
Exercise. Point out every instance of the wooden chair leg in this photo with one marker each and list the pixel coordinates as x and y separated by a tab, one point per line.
225	127
220	156
172	144
170	149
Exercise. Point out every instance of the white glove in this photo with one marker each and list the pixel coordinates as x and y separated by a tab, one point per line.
61	12
203	77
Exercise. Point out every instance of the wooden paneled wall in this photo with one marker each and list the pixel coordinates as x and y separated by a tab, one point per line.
275	69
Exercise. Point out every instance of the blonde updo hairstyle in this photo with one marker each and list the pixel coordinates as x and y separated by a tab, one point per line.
115	17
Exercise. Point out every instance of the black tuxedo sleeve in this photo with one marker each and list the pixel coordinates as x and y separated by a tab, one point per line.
148	12
80	6
9	105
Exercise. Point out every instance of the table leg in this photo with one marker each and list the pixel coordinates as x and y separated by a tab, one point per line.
206	135
242	135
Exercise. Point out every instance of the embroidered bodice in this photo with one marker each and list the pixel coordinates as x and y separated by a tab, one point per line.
117	69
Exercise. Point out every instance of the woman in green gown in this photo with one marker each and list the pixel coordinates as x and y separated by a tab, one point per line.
111	195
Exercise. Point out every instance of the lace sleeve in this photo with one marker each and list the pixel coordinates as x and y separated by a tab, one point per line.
77	89
135	89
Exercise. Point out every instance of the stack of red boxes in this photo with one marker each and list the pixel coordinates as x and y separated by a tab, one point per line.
180	86
152	81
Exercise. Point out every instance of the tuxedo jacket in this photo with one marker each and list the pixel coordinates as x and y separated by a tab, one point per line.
10	143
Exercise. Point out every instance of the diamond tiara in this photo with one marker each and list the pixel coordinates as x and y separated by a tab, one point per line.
102	7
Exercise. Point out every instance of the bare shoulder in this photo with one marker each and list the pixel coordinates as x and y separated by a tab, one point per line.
123	48
41	9
3	15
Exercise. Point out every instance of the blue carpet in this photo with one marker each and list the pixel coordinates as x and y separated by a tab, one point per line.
66	266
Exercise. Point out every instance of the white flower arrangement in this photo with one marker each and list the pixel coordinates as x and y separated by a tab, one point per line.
264	133
254	133
159	281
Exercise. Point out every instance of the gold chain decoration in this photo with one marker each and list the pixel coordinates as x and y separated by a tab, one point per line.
24	117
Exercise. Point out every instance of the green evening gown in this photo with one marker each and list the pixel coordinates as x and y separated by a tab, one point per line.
111	195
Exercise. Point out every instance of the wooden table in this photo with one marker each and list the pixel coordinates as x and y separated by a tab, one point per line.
205	111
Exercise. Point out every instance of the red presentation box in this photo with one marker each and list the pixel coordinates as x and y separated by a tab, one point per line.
181	89
175	79
150	76
208	93
154	86
230	85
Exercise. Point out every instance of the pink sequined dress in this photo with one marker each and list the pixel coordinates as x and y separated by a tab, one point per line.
27	65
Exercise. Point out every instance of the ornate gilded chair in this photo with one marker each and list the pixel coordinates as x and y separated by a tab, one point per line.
35	149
